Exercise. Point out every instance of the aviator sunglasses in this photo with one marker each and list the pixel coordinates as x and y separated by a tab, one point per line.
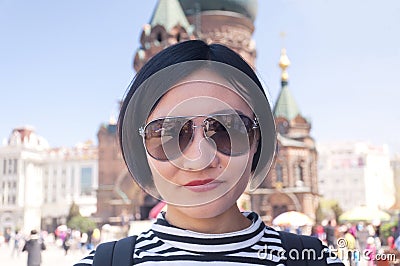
167	138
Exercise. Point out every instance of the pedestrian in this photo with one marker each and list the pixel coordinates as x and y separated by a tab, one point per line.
371	251
17	240
348	246
196	129
66	244
34	246
330	234
397	243
362	236
83	242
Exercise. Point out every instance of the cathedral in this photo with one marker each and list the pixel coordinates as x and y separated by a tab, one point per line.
290	185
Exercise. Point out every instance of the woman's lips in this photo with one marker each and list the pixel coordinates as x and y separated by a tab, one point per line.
202	185
198	182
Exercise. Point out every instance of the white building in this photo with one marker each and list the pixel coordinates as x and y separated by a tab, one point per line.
39	183
356	173
396	176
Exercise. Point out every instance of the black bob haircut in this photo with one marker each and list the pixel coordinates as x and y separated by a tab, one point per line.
194	50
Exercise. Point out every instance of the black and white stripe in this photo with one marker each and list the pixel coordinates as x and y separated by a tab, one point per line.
165	244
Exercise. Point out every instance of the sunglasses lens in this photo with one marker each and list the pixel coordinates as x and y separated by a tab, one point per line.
227	129
165	139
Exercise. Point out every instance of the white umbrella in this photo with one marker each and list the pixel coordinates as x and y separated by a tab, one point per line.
364	213
292	218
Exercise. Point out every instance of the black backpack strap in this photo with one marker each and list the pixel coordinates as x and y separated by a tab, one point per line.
123	251
293	248
104	254
312	243
115	253
302	250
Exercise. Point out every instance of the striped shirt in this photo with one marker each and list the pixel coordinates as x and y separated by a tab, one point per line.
165	244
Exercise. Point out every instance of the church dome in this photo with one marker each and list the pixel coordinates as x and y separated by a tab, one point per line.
248	8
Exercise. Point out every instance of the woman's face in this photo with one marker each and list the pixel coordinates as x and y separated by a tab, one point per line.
202	180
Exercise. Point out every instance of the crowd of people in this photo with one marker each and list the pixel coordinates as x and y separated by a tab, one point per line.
359	241
34	242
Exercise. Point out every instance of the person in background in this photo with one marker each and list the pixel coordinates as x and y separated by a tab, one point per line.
353	255
67	243
34	246
362	236
397	243
330	234
17	241
371	248
84	242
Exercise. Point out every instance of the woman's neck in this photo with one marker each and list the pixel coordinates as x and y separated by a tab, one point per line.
229	221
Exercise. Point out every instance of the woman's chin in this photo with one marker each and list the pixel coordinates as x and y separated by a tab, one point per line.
209	210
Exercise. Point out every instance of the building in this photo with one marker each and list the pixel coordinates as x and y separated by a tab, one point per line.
292	184
356	173
69	175
39	182
117	194
230	22
396	178
224	21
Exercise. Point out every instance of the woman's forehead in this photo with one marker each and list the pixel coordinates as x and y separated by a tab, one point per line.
199	97
206	74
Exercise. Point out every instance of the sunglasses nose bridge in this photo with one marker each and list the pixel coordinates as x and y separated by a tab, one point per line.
194	148
204	126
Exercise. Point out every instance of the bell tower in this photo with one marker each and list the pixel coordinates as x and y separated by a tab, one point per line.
292	184
229	22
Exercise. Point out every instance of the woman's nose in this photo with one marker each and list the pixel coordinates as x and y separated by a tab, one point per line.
200	153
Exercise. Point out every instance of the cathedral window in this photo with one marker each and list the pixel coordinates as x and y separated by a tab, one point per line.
159	37
299	172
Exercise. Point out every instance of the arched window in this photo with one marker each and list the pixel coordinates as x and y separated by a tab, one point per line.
299	172
159	37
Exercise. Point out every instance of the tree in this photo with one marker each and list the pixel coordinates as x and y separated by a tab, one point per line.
83	224
328	209
337	210
319	214
73	211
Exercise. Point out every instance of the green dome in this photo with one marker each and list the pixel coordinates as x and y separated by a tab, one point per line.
247	8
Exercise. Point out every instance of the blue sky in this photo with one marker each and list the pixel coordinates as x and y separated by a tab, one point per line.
65	64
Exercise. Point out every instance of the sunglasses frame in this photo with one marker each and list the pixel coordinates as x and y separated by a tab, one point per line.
142	129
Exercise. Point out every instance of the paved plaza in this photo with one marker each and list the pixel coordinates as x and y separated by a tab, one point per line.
52	256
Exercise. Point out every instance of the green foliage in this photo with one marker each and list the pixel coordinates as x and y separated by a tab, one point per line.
73	211
76	221
328	209
83	224
386	229
337	210
319	214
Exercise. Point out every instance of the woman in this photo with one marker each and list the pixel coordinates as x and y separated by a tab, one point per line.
195	130
34	247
